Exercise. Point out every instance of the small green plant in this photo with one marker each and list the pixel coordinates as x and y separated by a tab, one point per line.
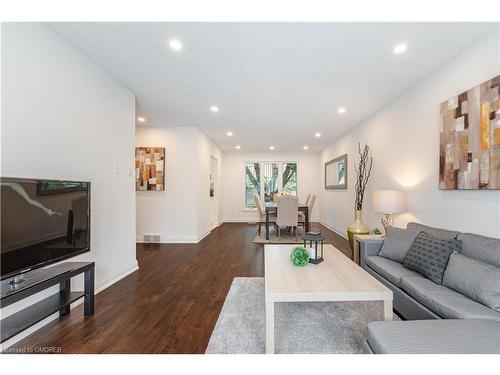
299	256
377	232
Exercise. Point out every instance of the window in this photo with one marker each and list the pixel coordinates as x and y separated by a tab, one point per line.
276	177
270	174
290	178
252	183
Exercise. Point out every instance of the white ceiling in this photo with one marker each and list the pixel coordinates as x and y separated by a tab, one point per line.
275	83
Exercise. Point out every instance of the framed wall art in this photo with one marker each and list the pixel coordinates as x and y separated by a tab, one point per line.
469	146
149	168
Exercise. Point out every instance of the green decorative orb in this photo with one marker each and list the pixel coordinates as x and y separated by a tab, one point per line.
299	256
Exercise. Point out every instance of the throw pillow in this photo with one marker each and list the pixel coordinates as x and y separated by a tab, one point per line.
474	279
429	255
397	243
481	248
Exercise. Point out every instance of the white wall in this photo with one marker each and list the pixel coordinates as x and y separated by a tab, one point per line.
206	149
309	181
171	212
65	118
404	137
181	213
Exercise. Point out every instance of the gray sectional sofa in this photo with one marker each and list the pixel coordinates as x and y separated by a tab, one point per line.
468	298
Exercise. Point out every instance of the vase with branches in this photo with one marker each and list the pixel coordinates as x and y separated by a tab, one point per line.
363	171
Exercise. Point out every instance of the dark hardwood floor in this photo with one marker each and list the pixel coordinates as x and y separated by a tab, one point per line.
171	304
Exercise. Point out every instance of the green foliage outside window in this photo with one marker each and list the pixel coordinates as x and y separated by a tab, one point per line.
270	175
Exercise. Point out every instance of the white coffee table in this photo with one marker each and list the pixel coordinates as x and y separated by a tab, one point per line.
336	279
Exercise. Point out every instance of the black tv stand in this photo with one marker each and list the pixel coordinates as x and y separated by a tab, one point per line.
38	280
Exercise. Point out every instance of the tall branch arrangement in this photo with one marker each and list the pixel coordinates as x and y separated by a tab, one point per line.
363	171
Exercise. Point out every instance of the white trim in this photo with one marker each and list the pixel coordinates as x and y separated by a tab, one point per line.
109	280
188	239
240	221
106	282
217	224
203	235
185	239
333	229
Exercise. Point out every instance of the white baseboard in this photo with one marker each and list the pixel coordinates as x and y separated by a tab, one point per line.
203	235
241	221
333	229
174	240
102	284
114	277
218	224
252	222
195	239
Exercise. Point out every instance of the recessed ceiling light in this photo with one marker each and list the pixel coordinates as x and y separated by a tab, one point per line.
141	119
229	134
271	147
238	147
317	135
214	109
306	147
341	110
400	48
175	44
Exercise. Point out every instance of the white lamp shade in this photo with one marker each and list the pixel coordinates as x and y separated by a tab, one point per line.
389	201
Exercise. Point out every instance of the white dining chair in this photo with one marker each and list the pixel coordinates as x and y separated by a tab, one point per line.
288	207
307	200
261	211
310	205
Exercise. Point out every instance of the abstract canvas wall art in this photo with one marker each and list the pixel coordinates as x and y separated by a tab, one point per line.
469	149
149	168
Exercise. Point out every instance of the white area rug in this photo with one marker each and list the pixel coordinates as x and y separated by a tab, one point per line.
313	327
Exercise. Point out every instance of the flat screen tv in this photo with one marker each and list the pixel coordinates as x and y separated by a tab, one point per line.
42	222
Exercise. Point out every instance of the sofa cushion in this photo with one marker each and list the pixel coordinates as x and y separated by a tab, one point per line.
484	249
397	243
446	302
474	279
389	269
449	336
437	232
428	255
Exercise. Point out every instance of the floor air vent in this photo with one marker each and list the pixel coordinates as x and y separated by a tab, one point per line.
152	237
